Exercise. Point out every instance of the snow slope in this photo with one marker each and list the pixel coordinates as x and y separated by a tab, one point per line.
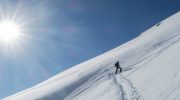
151	71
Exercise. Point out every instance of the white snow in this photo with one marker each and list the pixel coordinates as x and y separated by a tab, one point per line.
151	71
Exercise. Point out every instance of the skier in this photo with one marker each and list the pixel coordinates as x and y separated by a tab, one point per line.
117	67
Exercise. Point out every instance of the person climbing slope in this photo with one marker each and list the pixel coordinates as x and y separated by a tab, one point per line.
117	67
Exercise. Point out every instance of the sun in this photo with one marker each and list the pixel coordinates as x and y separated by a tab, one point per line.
9	31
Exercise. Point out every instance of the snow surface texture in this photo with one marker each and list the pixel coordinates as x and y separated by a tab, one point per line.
150	64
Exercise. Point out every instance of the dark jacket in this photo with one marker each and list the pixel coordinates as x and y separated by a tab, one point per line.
117	64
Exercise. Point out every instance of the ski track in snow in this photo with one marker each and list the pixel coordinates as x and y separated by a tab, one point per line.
129	90
125	88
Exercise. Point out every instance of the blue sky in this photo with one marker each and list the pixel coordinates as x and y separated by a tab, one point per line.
63	33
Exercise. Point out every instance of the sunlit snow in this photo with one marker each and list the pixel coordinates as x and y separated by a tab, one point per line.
150	64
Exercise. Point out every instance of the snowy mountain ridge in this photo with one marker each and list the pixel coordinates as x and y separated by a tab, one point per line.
151	71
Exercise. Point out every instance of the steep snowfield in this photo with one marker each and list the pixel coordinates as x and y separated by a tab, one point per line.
151	71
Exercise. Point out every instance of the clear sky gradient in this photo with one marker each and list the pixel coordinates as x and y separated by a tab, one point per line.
63	33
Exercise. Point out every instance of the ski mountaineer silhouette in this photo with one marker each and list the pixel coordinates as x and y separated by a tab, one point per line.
117	67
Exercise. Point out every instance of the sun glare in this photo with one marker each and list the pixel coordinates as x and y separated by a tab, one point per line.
9	31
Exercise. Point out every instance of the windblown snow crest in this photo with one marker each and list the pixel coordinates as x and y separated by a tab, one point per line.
150	71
